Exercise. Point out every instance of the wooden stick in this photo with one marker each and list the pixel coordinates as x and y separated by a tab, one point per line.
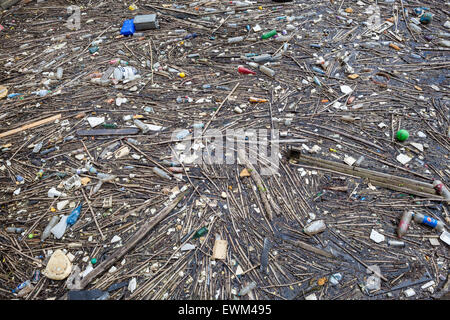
93	214
259	183
311	248
30	125
358	171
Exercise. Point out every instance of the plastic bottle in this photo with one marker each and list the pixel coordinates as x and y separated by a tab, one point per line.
247	289
46	233
315	227
235	39
14	230
267	71
47	151
22	286
441	189
182	134
97	187
90	168
318	70
200	233
269	34
133	141
170	163
105	177
415	28
38	147
404	223
161	173
35	276
429	221
42	93
53	193
74	215
59	229
395	243
359	161
243	70
262	58
125	73
141	125
59	73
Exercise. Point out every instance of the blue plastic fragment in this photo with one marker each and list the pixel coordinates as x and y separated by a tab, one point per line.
128	28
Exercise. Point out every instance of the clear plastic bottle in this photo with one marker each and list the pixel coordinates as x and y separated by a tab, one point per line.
141	125
159	172
267	71
59	73
235	39
46	233
38	147
14	230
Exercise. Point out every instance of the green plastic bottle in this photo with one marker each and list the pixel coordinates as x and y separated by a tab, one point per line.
109	125
269	34
200	233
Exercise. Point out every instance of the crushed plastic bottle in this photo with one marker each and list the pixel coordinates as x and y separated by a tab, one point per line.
72	182
125	73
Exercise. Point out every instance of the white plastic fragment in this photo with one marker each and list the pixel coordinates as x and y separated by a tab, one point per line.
427	285
61	204
403	158
116	239
132	285
416	145
187	247
376	236
239	270
409	292
312	296
445	236
95	121
349	160
346	89
434	242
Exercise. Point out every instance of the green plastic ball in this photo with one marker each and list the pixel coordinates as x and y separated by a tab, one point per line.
402	135
93	261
